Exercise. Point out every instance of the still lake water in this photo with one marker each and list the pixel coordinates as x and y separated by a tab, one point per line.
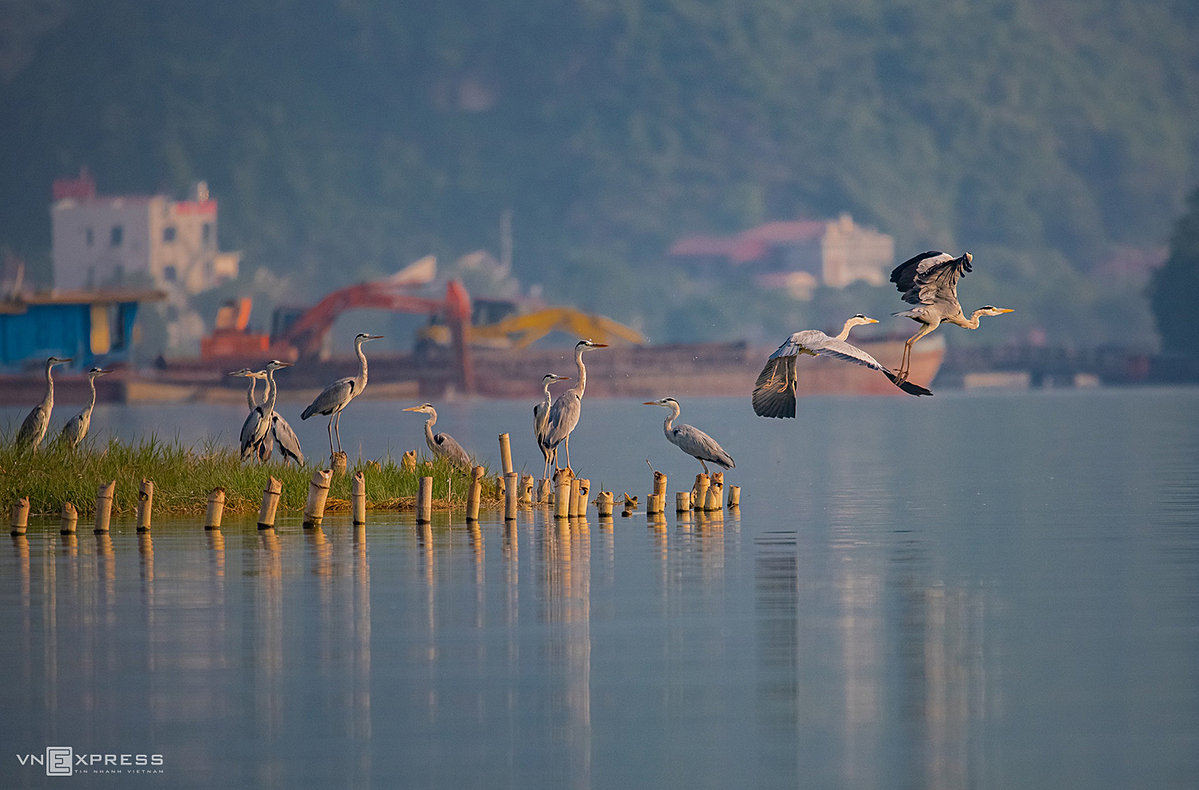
973	590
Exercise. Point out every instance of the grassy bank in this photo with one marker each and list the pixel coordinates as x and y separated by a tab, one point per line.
184	476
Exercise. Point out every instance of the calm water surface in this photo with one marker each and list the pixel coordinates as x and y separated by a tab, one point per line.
965	591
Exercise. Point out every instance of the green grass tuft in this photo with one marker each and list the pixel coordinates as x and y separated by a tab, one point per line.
184	476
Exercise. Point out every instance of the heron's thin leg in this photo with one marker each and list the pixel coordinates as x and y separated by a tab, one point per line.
331	416
337	429
701	463
572	471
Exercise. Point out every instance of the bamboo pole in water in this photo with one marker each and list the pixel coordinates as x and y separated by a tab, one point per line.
682	501
69	519
216	509
318	494
699	491
474	494
603	504
20	516
660	484
424	501
584	492
526	489
104	506
505	454
270	503
734	497
145	503
511	493
562	496
340	464
358	498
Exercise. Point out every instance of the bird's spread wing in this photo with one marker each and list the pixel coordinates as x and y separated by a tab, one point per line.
839	349
930	276
698	444
332	396
774	392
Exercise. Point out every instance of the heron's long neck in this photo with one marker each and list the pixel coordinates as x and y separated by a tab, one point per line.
429	429
48	401
845	330
268	406
360	382
674	414
582	385
91	381
250	399
962	322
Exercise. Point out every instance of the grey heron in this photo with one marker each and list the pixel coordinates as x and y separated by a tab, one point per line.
338	395
692	440
442	445
33	429
541	417
258	421
281	432
930	281
774	391
75	431
564	414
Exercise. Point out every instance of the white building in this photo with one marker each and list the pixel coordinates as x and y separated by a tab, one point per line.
99	241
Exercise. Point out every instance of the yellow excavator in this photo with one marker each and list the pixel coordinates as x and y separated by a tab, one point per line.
498	323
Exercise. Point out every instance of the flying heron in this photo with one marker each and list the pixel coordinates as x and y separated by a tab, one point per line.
774	391
692	440
338	395
75	431
281	432
442	445
564	414
541	418
258	422
930	281
33	429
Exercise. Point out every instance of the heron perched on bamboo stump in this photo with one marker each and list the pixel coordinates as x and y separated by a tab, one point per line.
442	445
564	413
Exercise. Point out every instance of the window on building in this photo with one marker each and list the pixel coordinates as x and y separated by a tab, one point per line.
206	233
118	234
169	274
91	236
168	234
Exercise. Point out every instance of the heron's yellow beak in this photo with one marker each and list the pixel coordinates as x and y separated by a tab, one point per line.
651	403
599	345
412	408
1007	310
872	320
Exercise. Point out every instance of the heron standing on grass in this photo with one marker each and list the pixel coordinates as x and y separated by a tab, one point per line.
564	414
33	429
76	429
541	418
774	391
258	422
281	432
692	440
930	281
338	395
442	445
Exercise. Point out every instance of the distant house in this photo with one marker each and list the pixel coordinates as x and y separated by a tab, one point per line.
794	255
102	241
92	327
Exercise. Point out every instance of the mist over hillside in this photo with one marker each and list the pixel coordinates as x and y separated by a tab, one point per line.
1052	139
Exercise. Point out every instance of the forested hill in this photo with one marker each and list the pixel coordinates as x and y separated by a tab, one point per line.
344	139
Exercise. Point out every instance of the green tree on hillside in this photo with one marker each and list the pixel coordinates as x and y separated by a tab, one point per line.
1174	291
